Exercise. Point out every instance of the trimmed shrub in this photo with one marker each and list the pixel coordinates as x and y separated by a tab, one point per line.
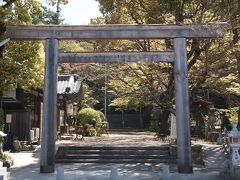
86	115
85	119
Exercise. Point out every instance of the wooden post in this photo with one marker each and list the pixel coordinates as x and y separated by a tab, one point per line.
65	116
184	152
47	162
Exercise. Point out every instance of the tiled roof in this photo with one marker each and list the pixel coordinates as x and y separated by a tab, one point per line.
68	84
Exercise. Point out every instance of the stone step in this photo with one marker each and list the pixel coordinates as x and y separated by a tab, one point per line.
114	148
119	152
97	156
113	154
3	170
121	161
4	175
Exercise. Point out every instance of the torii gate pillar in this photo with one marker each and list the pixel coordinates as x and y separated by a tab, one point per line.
47	162
184	154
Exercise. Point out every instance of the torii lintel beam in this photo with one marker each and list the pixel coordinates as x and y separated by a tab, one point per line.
116	57
150	31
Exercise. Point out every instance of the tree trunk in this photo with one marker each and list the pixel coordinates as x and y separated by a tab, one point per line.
237	55
1	95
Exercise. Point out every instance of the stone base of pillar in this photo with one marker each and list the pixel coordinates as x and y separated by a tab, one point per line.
4	175
47	169
234	171
185	169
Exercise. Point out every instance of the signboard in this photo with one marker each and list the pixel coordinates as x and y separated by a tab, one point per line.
173	132
8	118
69	109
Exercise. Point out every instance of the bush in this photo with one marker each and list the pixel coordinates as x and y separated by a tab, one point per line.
85	119
197	155
6	159
86	115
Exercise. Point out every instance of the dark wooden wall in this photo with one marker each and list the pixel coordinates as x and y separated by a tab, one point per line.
131	121
20	125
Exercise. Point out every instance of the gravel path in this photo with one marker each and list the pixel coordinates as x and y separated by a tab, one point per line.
136	139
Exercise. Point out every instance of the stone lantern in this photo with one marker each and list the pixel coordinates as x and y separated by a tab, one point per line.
234	142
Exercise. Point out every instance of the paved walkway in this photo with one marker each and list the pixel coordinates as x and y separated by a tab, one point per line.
216	161
215	157
26	165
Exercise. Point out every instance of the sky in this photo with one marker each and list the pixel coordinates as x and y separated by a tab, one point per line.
79	12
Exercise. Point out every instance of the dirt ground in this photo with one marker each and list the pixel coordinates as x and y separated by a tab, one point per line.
118	139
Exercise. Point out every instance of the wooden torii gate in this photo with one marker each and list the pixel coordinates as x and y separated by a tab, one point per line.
53	33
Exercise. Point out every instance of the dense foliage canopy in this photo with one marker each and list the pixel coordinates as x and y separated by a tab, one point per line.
21	63
214	65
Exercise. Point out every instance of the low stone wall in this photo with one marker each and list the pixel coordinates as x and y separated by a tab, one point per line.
234	171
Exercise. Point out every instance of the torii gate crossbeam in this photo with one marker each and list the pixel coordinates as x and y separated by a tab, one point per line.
116	57
177	32
116	31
